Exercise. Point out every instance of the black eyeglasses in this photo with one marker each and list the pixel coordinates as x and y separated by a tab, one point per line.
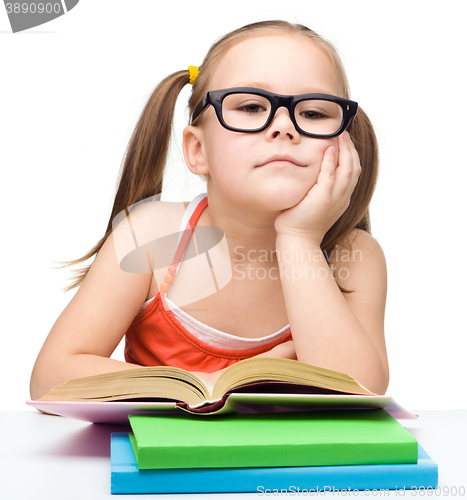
250	110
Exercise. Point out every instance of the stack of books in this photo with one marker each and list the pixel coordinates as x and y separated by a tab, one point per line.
190	436
325	450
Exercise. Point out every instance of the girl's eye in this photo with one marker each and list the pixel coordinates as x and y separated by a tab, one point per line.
312	114
251	108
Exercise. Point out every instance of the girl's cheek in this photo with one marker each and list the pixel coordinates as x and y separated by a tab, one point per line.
316	150
325	144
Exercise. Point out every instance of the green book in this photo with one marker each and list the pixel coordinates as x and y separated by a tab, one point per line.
338	437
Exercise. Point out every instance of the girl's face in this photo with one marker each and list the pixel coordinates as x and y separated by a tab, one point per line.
235	161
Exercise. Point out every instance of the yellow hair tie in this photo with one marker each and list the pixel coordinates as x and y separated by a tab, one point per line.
194	70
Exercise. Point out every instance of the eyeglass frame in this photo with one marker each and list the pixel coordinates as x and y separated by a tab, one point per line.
215	98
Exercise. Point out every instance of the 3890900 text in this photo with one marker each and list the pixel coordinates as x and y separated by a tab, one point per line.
444	491
33	8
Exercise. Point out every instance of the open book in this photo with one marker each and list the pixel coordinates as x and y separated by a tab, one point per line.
261	374
254	385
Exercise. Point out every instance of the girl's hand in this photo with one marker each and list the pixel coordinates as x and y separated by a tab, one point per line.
328	199
285	350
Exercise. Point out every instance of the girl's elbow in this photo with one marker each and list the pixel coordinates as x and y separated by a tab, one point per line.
377	384
43	377
385	381
35	390
37	384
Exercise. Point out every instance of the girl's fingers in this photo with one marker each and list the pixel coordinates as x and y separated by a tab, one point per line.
326	178
347	169
355	170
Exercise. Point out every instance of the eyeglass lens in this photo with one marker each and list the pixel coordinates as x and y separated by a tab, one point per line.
251	111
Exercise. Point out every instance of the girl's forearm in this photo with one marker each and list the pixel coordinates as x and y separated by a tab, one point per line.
325	330
45	376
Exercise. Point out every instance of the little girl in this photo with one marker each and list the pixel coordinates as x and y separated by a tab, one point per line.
288	186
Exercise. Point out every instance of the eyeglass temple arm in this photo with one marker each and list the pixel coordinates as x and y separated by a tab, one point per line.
202	105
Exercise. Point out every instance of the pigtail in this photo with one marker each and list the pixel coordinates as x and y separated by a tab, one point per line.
366	144
145	158
357	214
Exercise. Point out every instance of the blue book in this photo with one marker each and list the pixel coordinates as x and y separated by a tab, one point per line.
126	478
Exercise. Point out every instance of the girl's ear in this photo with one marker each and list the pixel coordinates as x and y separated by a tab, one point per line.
193	150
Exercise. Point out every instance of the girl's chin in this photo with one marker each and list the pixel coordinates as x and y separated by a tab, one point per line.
285	196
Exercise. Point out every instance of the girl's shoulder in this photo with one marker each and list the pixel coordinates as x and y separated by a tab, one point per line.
155	219
357	258
358	239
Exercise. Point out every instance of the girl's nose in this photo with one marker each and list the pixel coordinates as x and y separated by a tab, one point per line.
282	126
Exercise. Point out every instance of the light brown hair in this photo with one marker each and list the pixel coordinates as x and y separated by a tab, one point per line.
146	154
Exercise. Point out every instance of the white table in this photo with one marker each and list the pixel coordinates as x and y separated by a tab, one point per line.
47	457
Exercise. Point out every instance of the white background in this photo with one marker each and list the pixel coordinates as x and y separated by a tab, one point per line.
70	94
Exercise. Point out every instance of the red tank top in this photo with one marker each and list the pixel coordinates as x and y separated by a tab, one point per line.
157	338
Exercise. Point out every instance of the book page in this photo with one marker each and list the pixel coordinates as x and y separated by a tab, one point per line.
285	370
145	382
